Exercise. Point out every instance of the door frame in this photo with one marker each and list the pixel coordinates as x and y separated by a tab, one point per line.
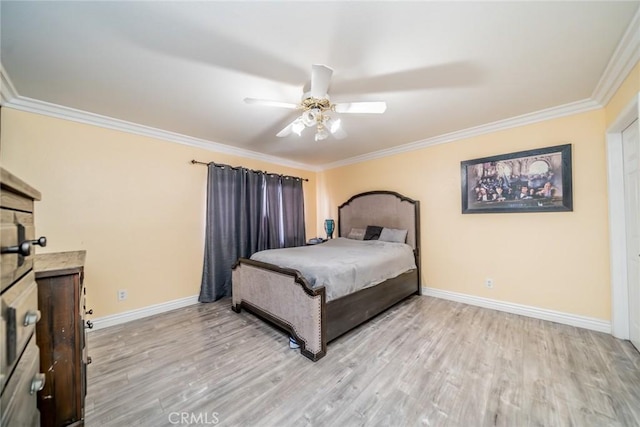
617	225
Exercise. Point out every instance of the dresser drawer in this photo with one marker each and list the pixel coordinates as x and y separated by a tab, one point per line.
15	228
19	306
18	405
15	200
16	194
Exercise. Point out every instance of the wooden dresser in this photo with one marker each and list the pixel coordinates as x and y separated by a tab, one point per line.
20	376
61	337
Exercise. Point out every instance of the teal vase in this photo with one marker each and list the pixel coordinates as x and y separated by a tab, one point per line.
329	227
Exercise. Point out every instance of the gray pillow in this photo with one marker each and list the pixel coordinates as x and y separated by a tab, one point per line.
356	234
393	235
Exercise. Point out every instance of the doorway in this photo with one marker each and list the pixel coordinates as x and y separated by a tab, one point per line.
624	268
631	156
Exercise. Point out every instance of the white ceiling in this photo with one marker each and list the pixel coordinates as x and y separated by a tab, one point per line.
185	67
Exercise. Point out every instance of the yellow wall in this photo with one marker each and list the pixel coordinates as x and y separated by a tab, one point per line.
557	261
137	206
134	203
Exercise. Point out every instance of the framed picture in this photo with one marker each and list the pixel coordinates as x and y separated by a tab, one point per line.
527	181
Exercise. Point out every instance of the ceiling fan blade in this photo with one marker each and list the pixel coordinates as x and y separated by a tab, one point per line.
376	107
295	126
320	79
339	134
286	131
269	103
335	128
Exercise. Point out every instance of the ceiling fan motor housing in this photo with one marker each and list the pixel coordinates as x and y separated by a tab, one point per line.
322	104
316	103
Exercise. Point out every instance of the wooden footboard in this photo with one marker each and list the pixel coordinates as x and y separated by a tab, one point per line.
283	297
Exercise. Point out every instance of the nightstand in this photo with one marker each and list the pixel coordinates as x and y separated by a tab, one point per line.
312	242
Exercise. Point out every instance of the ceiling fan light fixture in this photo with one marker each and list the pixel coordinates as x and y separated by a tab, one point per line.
311	117
334	125
322	134
298	126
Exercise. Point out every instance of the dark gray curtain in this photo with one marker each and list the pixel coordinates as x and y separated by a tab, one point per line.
251	212
293	212
247	211
271	236
234	210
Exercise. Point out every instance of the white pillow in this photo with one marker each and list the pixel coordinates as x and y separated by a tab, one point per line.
356	234
393	235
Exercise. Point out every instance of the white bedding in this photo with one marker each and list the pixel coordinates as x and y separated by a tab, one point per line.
344	265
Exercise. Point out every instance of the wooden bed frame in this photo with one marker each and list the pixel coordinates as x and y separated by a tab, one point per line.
283	296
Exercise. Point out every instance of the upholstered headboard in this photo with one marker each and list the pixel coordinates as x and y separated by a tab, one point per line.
383	208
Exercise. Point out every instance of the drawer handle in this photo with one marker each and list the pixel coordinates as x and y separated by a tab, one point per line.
42	241
31	318
23	249
12	334
89	324
37	383
89	360
90	311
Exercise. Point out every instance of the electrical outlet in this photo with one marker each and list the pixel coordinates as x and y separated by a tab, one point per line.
122	294
488	282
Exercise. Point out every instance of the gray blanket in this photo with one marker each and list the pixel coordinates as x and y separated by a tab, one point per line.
343	265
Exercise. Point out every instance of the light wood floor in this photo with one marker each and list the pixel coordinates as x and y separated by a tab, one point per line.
424	362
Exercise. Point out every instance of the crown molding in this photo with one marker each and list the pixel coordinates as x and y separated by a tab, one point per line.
522	120
624	58
11	99
53	110
7	90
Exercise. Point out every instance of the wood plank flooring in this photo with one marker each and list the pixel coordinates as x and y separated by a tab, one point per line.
425	362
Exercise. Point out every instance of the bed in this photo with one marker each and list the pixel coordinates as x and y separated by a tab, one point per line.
286	298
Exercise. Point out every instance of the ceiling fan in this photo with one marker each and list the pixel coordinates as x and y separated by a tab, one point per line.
316	106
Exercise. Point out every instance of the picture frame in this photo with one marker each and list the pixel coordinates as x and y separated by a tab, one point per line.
537	180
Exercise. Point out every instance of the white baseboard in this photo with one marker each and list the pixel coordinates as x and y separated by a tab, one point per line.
128	316
523	310
508	307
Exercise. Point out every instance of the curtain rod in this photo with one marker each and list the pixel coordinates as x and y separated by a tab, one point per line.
195	162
